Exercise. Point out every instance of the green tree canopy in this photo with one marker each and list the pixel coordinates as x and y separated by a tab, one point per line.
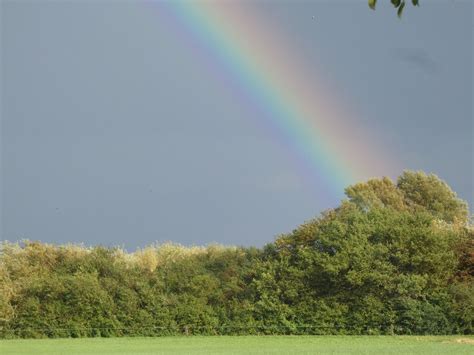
393	258
413	191
404	250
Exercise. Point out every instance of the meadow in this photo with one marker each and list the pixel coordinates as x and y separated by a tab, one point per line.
245	345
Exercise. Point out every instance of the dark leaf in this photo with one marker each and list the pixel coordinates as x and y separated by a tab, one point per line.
400	9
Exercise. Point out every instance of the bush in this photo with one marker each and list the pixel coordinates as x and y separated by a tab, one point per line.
391	259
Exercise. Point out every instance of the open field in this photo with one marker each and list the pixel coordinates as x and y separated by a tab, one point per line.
399	345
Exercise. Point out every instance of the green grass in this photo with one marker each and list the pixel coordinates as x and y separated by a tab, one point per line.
399	345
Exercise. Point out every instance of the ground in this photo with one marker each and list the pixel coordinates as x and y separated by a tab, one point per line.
398	345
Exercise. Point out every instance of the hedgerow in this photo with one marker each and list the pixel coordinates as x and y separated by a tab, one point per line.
393	258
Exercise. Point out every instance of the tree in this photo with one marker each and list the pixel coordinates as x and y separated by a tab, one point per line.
376	193
394	257
414	191
429	192
398	4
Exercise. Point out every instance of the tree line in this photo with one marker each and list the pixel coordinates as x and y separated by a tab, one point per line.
392	258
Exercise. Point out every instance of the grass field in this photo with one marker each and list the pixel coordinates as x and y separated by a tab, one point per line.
399	345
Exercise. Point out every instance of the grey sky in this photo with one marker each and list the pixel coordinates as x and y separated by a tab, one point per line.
112	135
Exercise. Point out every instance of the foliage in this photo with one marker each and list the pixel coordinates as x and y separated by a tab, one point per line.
393	258
398	4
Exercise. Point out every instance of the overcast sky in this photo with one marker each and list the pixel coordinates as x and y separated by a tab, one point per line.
112	135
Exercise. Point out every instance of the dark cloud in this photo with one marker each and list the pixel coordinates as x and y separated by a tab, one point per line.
417	57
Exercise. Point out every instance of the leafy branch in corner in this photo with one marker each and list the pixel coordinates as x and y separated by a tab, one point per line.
398	4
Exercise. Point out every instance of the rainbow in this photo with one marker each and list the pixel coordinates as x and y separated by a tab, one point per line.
257	63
